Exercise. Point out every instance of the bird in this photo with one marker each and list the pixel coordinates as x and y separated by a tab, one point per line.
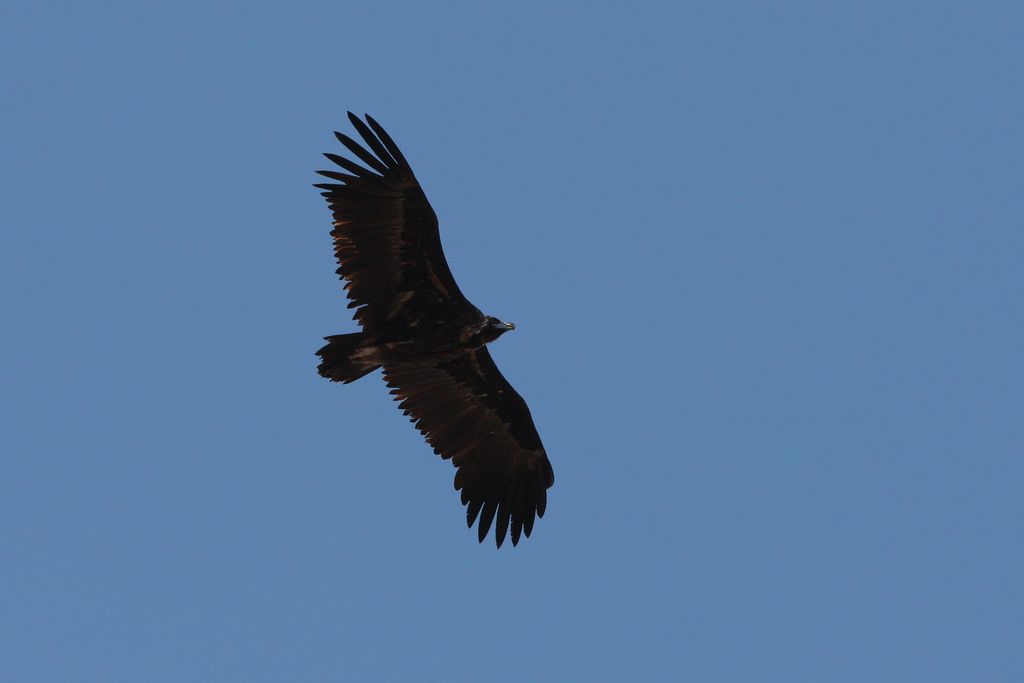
426	336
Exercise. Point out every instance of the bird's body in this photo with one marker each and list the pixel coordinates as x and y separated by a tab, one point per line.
440	333
428	338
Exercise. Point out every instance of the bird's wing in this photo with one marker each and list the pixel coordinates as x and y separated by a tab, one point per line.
471	414
385	232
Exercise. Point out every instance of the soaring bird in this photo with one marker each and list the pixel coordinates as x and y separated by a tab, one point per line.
428	338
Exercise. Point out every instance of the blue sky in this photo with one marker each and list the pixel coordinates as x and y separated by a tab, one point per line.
765	265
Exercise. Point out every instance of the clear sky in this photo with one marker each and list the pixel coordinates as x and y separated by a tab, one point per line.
765	262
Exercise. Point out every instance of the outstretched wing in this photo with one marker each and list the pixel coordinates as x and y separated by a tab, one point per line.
385	231
472	415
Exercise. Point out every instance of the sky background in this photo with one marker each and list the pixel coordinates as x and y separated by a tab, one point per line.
765	265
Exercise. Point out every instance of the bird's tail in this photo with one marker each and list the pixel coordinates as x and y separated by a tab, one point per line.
347	357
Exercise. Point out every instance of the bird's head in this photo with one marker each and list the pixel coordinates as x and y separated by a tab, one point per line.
494	328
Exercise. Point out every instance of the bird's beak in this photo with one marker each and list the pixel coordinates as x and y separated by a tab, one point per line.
509	326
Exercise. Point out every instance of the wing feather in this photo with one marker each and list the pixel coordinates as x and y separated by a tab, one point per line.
371	139
470	414
386	238
350	166
388	142
357	149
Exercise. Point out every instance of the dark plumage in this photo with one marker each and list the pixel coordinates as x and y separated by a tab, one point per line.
428	338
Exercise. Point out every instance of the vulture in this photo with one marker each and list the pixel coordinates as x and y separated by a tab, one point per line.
426	336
